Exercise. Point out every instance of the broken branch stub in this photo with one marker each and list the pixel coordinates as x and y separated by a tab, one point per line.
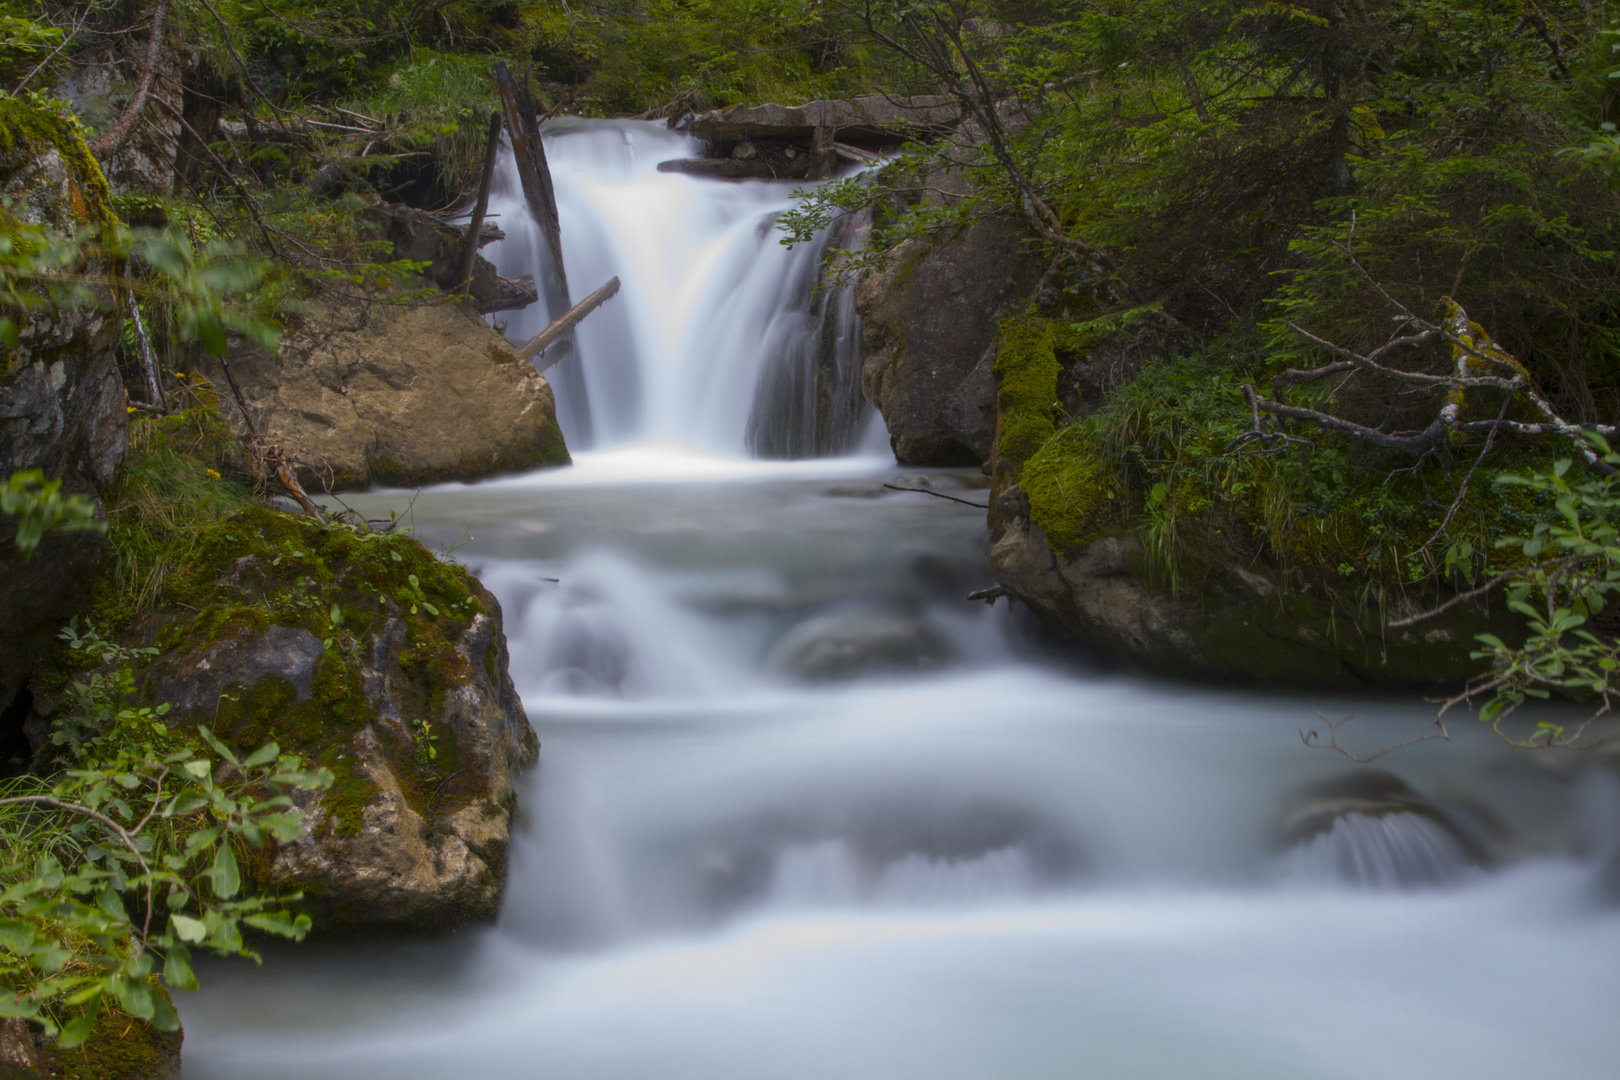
536	345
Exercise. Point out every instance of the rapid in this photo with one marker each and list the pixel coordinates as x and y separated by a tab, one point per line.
802	810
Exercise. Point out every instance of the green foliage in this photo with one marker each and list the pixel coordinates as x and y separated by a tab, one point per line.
40	507
1570	572
672	56
116	869
177	479
24	42
204	290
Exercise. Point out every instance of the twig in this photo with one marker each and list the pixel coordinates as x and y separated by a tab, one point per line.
1499	579
939	495
1313	740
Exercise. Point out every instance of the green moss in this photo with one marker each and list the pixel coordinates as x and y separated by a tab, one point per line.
1072	492
1026	371
27	132
120	1047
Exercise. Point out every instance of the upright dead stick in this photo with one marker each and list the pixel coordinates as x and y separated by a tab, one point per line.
154	395
491	146
537	344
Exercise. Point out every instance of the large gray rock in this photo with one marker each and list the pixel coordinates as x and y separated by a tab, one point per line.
375	393
928	336
62	411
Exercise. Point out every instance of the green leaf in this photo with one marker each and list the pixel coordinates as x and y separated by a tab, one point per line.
16	935
282	923
227	878
177	968
262	756
219	748
188	929
75	1031
109	901
202	838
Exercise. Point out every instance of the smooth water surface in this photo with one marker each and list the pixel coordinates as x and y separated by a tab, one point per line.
966	863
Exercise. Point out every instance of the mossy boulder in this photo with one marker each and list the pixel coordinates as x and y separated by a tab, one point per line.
1232	619
62	411
47	173
369	656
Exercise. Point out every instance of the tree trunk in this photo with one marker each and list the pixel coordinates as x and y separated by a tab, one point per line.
523	128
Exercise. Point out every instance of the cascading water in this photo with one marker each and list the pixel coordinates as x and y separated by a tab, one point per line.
719	337
803	811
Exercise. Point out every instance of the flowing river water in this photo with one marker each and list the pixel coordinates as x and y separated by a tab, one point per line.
804	811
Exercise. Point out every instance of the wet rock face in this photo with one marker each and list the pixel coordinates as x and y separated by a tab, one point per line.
1235	620
61	411
373	393
928	335
366	655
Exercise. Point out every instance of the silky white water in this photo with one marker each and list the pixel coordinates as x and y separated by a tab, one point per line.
710	299
953	850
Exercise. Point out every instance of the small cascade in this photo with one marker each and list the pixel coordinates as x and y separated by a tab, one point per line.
829	874
720	337
808	399
606	631
1383	851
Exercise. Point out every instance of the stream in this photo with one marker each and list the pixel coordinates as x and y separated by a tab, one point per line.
804	811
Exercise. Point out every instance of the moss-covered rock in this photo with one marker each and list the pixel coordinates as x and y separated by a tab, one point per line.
364	653
120	1047
1232	620
48	172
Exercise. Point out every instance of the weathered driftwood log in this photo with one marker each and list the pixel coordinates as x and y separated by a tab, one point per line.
523	129
537	344
470	252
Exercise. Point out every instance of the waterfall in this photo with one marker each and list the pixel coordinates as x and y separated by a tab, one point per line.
720	337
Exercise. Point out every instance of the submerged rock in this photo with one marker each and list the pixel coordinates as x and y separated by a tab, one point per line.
845	646
374	393
1371	828
365	654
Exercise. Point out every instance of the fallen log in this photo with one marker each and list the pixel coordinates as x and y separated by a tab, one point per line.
537	344
523	129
